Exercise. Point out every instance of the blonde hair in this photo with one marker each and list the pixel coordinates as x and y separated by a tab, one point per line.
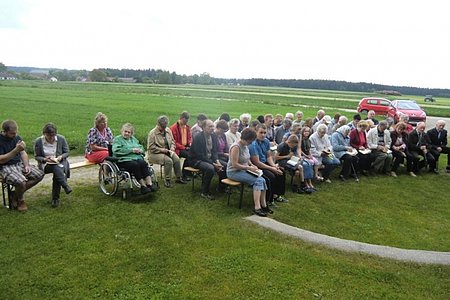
100	117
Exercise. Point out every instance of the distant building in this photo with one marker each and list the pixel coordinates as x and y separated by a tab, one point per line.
6	76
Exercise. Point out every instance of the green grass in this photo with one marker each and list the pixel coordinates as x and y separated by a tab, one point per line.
72	106
173	245
177	245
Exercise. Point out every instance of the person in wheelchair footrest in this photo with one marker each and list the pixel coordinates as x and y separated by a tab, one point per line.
130	156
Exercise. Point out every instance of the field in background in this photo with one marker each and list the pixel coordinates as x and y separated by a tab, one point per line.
177	245
72	106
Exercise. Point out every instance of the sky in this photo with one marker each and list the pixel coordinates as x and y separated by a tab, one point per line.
402	43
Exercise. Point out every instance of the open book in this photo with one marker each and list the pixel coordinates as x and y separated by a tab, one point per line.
53	161
352	152
257	174
293	161
364	151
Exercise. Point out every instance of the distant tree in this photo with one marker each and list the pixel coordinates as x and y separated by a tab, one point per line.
3	68
98	75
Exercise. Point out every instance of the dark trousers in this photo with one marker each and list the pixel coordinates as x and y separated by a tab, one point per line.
347	161
59	178
138	168
364	162
208	171
276	184
428	159
445	150
399	158
185	154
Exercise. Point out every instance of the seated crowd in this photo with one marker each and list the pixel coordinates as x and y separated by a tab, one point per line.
256	152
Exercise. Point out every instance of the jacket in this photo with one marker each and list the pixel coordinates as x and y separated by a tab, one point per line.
176	133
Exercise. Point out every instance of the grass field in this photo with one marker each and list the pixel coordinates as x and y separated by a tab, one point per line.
174	245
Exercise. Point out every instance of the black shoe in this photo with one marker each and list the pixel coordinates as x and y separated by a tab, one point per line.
181	180
305	190
145	190
266	210
152	188
281	199
55	203
167	183
185	178
207	196
259	212
67	189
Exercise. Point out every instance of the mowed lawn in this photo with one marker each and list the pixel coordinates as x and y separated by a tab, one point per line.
175	245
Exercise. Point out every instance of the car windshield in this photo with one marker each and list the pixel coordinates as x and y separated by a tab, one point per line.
408	105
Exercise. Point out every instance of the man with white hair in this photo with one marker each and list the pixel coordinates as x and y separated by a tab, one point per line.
298	118
419	144
319	116
245	119
379	141
438	139
371	116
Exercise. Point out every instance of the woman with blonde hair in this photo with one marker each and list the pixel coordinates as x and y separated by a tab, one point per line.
98	139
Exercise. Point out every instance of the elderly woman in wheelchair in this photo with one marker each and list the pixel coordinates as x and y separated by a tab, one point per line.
129	156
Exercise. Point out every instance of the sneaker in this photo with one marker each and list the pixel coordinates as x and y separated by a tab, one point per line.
393	174
412	174
181	180
306	190
22	206
267	210
281	199
207	196
185	178
272	204
259	212
328	180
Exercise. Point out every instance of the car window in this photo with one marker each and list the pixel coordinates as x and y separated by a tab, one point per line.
408	105
372	101
385	103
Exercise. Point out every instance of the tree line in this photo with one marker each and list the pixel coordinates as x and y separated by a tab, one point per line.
159	76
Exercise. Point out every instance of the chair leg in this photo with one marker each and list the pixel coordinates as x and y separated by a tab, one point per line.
241	195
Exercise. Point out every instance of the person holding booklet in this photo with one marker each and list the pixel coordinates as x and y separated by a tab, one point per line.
358	141
344	152
241	169
289	156
321	149
261	156
51	152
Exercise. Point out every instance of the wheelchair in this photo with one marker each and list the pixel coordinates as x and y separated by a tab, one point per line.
111	177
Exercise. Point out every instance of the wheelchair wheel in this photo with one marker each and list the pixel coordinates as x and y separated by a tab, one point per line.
108	178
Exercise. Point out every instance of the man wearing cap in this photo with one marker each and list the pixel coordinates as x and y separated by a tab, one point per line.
325	120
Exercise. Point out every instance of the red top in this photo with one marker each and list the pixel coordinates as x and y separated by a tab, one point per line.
358	139
177	136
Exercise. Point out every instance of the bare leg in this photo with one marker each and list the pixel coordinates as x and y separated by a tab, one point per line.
256	199
262	198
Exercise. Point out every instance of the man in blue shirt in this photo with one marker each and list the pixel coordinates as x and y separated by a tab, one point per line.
261	157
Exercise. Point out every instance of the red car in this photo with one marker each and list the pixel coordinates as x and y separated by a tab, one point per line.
407	107
379	105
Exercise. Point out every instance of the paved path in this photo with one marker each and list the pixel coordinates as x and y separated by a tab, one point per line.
417	256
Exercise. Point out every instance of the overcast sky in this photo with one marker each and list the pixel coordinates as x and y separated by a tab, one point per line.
387	42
